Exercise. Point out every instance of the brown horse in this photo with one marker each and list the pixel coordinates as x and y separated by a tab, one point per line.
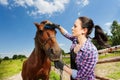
38	64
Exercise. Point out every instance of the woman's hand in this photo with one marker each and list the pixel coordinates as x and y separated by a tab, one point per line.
49	24
52	25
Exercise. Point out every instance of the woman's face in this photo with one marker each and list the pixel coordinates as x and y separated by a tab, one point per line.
77	29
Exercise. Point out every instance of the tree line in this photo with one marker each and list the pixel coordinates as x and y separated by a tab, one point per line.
13	57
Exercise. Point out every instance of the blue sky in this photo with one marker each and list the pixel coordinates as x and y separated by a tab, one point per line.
17	30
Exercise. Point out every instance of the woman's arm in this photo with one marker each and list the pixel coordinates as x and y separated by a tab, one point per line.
62	30
65	33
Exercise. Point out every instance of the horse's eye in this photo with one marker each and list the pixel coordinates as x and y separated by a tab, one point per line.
40	31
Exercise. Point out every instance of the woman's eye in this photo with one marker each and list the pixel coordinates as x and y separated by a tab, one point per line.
75	26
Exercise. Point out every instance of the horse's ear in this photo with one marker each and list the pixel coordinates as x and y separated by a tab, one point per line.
39	26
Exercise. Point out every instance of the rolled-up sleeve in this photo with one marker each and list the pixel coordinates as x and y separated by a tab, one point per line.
68	36
74	73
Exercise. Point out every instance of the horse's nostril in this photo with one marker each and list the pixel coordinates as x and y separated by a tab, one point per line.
51	50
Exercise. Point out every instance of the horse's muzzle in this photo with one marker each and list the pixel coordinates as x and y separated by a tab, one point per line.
54	55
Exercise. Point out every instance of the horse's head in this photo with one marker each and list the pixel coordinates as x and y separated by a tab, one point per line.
46	40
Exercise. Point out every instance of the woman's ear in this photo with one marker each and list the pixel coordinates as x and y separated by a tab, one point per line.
85	30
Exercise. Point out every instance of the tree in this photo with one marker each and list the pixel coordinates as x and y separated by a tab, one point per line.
0	60
21	56
14	57
97	45
63	53
115	30
18	56
6	58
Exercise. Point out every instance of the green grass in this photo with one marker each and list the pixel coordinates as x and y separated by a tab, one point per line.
66	60
10	67
110	55
54	76
116	74
109	70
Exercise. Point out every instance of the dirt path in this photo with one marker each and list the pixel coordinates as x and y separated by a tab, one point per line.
15	77
18	76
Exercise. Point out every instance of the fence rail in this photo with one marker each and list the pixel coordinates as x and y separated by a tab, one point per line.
108	61
111	49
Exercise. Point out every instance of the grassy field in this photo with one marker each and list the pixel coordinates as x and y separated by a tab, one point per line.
109	70
10	67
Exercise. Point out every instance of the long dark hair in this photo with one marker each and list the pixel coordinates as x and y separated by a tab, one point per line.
100	36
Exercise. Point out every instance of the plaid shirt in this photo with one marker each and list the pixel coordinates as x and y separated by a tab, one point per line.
85	60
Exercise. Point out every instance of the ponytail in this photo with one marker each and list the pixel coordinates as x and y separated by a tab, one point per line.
100	37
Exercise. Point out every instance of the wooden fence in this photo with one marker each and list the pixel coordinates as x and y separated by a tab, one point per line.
107	61
111	49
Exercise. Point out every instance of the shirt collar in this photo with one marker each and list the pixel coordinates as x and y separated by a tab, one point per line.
85	45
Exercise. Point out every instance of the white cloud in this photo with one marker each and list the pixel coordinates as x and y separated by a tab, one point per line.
41	6
108	24
4	2
23	3
108	27
82	2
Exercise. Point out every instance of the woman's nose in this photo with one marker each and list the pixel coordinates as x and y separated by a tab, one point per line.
72	27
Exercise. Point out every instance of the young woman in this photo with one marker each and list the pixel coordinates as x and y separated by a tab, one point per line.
84	54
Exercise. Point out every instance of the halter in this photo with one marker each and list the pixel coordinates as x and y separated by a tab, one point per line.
43	44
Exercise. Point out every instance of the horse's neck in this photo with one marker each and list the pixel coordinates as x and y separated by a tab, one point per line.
39	54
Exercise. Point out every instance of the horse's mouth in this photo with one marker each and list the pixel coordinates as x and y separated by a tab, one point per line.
54	57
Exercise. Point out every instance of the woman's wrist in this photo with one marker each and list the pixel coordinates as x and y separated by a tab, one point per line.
71	72
67	69
62	30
